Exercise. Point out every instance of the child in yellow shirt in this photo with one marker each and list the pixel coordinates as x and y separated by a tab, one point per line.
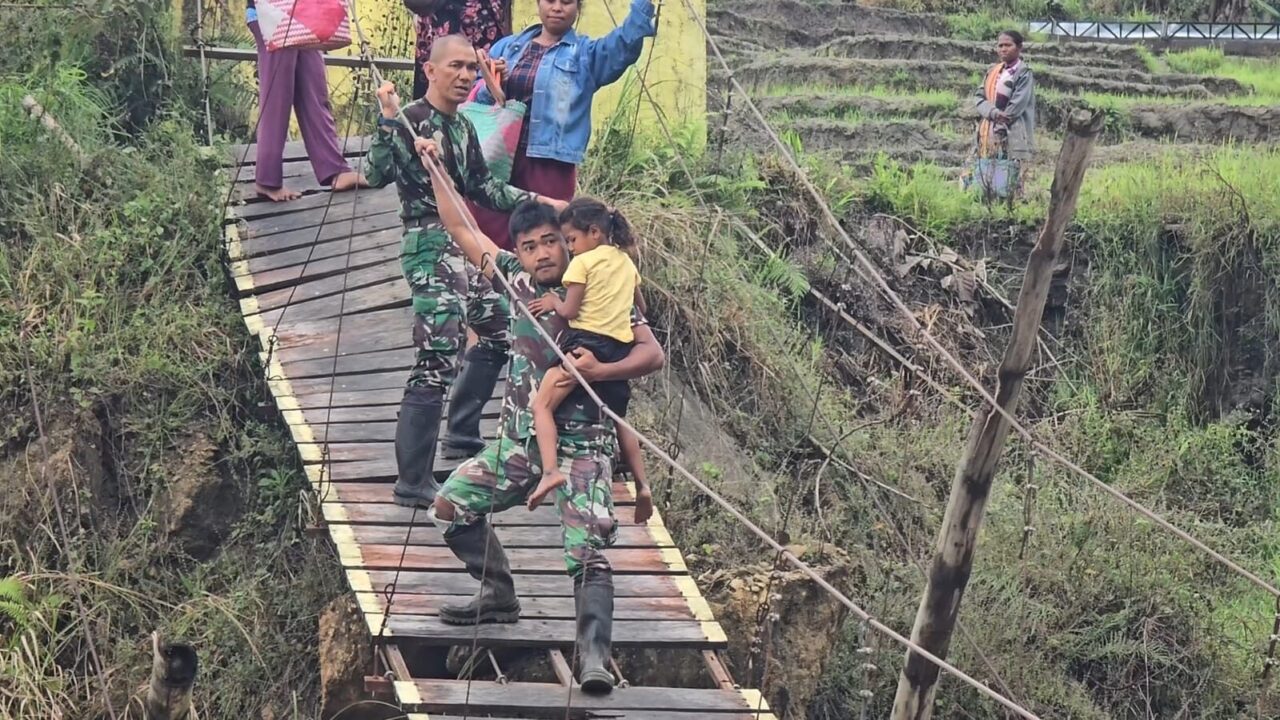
603	286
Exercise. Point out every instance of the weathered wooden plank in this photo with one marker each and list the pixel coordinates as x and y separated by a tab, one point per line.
351	493
372	362
642	561
343	452
377	330
264	273
251	244
541	633
312	210
522	698
446	583
339	384
388	514
385	396
297	177
369	413
388	294
546	536
316	282
373	431
294	150
542	608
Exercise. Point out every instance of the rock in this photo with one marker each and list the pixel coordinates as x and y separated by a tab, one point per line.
807	628
197	507
345	658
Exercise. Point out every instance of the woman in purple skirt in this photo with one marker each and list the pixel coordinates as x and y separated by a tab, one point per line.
294	80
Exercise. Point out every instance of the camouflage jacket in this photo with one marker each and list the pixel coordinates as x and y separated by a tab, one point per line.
581	425
392	159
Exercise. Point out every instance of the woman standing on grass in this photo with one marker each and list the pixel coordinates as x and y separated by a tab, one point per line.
556	72
1006	133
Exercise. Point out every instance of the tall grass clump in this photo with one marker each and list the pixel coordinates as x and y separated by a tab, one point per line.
1181	252
115	315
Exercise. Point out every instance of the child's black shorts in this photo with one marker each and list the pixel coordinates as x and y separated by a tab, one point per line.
615	393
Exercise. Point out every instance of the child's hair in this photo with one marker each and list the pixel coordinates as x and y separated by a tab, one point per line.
583	212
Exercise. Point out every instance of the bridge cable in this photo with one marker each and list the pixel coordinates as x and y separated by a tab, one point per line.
433	166
726	505
390	591
204	71
839	308
867	269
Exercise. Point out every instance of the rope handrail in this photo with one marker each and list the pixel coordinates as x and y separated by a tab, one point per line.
869	272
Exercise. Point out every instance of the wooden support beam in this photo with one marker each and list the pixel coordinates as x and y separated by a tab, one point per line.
246	55
958	536
561	667
718	671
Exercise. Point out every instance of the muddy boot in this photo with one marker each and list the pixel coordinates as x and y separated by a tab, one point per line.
496	601
416	429
471	391
594	602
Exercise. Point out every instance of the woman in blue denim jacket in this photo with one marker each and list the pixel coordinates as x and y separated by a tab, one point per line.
556	72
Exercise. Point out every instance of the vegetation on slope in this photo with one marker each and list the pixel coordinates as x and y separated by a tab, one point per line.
1162	386
165	498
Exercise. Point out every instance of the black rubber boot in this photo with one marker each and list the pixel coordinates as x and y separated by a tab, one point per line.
496	601
471	391
417	427
594	602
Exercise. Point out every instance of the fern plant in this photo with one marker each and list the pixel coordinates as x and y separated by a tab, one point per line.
15	609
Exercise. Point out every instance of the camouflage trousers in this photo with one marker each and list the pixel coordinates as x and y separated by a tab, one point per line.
503	474
448	292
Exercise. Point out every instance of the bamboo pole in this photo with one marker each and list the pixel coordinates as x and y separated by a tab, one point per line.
42	116
173	674
958	536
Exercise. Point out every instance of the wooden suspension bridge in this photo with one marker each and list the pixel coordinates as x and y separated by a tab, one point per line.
319	283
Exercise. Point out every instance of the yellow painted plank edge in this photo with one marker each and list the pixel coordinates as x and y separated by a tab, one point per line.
407	693
754	700
231	233
698	605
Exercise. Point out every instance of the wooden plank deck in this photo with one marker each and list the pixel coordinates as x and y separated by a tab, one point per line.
318	281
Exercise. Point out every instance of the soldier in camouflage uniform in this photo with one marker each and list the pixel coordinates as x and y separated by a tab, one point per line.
443	289
507	469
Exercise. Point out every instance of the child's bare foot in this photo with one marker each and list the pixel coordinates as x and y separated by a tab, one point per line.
644	505
348	180
551	479
280	194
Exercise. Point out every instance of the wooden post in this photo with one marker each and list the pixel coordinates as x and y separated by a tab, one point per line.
173	674
957	538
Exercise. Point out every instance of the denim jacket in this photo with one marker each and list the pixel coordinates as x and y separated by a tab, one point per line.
568	76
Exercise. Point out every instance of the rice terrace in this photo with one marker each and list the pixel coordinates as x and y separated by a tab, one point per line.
639	359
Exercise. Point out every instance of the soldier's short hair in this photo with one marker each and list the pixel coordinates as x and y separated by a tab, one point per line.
447	43
531	215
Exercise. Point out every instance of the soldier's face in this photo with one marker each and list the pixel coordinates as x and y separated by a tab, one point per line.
543	254
454	73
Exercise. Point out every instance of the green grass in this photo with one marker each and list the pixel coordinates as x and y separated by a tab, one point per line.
113	291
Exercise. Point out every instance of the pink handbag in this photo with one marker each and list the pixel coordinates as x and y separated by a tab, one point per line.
304	24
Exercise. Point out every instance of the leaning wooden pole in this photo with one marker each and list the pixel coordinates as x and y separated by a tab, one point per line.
173	674
958	536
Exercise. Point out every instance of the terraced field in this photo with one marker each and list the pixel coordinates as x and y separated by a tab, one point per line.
855	81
